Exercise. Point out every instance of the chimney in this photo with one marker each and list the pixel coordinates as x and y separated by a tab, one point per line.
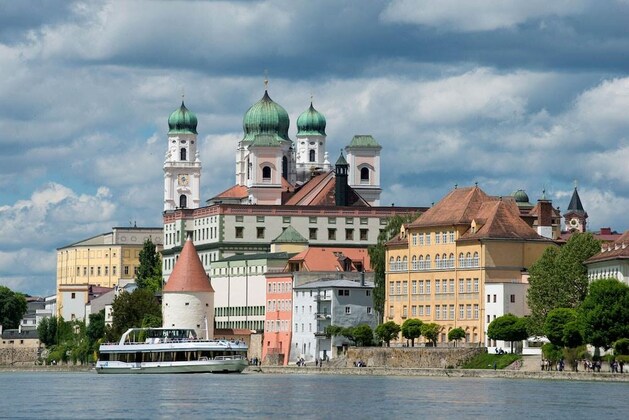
545	219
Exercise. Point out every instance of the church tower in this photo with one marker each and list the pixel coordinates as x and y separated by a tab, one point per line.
576	216
265	155
363	157
311	154
182	166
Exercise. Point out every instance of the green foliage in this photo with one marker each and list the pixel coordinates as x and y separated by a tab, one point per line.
456	334
387	332
149	274
348	332
604	314
508	328
129	310
559	278
486	361
622	346
555	323
572	335
552	352
412	329
332	330
431	332
363	335
377	258
96	329
12	308
47	331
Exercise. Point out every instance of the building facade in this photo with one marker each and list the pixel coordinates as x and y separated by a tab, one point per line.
612	261
440	265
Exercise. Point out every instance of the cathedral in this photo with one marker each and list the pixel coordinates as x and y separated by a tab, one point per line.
271	168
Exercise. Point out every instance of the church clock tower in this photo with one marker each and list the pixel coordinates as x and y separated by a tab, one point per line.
182	167
576	216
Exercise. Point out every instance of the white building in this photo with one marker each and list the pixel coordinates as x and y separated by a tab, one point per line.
612	261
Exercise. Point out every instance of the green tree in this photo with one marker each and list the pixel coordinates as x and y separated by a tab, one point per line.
456	334
431	333
555	324
363	335
387	332
377	258
572	335
348	332
412	329
12	308
130	309
604	314
332	330
508	328
559	278
149	274
47	331
622	346
96	329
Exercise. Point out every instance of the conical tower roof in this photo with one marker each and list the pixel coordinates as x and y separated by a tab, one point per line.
575	205
188	274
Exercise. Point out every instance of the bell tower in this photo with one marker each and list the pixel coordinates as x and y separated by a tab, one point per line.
576	216
182	166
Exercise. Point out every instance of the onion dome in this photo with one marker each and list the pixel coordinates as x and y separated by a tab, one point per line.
520	196
311	122
266	117
182	121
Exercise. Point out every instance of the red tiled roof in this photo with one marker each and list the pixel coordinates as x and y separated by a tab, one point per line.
501	219
329	259
237	191
188	274
320	191
456	208
618	250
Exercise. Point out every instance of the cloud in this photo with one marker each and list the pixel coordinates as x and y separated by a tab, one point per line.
477	15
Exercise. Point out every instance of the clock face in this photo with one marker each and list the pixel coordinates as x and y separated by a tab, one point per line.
183	179
574	222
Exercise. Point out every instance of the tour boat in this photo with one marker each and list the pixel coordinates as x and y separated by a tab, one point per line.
168	350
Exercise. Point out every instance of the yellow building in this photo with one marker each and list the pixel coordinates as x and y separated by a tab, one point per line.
438	266
106	260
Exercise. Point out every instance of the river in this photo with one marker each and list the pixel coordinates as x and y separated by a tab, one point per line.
47	395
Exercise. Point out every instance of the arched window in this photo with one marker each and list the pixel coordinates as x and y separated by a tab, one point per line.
183	201
444	261
468	259
182	154
364	175
311	155
266	173
461	260
475	260
405	263
391	264
414	262
398	263
451	261
437	261
284	167
421	262
427	263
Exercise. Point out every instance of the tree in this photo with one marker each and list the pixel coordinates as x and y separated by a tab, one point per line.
456	334
555	324
622	346
431	332
387	332
363	335
508	328
96	329
412	329
130	309
377	258
149	274
47	331
12	308
604	314
559	278
332	330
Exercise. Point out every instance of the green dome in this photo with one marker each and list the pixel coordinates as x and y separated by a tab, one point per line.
520	196
266	117
311	122
182	121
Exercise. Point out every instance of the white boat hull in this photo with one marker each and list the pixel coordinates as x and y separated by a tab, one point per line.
205	366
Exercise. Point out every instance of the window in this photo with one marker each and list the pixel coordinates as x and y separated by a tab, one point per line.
343	292
113	270
451	311
348	310
494	298
349	234
405	287
182	154
421	310
364	234
428	238
260	232
312	220
312	233
126	270
512	298
475	285
421	287
239	218
452	237
364	221
266	173
468	310
73	295
427	287
286	219
414	287
437	286
437	241
468	283
331	220
427	310
451	286
414	241
106	270
398	288
332	234
239	231
98	270
183	201
414	310
404	311
391	312
364	175
260	219
367	292
488	298
391	288
444	237
461	312
349	220
369	310
421	239
437	311
311	156
476	311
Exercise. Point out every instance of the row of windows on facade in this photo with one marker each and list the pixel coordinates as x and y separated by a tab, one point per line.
421	239
324	293
441	286
281	287
312	233
442	312
315	220
441	262
238	310
249	325
104	271
240	270
511	298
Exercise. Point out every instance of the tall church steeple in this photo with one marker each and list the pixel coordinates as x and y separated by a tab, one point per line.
182	166
575	216
311	154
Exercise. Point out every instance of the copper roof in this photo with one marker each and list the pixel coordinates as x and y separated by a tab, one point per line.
188	274
617	250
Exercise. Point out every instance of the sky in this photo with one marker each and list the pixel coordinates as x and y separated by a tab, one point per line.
511	94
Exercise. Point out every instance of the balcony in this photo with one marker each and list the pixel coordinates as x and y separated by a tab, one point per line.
323	315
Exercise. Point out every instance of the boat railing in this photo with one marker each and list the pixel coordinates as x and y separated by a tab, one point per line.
233	357
159	340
